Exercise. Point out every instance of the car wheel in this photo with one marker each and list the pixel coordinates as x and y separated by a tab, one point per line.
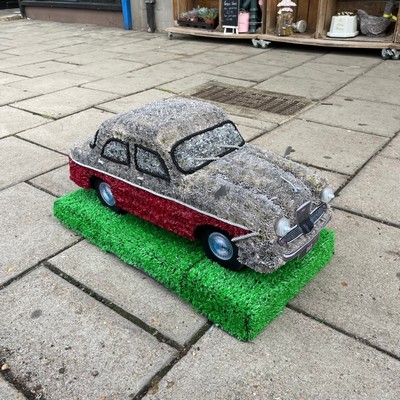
219	247
105	194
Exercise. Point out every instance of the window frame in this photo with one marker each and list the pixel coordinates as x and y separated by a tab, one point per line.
166	177
127	162
191	171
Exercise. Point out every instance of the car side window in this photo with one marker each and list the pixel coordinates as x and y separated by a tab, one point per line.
116	150
150	162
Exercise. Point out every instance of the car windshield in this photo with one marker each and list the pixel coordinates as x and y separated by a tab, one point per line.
195	151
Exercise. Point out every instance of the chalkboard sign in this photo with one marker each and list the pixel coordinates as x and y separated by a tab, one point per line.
230	12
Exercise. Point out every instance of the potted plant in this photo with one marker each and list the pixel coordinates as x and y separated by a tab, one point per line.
193	15
184	16
208	15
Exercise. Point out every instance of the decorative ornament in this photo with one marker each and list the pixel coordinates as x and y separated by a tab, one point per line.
284	22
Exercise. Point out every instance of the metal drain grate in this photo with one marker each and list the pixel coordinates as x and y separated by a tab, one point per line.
251	98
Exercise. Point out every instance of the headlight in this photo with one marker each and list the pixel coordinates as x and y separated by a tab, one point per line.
282	227
327	195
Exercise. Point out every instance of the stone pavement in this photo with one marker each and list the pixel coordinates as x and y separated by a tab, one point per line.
77	323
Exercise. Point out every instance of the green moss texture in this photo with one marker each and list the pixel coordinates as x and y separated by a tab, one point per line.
242	303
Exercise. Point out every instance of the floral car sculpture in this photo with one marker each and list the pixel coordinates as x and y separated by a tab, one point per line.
182	165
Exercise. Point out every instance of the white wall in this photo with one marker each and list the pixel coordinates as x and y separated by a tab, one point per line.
163	14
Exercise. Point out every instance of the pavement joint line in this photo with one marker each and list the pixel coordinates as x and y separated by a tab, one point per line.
98	107
27	181
30	183
210	71
9	376
42	146
51	119
63	116
362	166
158	376
119	310
16	101
366	100
37	265
19	276
346	129
366	216
365	342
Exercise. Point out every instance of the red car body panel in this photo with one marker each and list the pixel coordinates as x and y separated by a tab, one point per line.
167	213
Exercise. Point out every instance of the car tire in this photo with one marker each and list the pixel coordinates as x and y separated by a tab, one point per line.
105	195
219	247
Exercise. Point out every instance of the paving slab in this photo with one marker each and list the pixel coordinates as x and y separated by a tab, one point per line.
8	392
60	135
339	74
252	122
52	83
350	58
300	86
13	120
375	191
149	57
29	232
8	78
30	48
55	182
63	344
26	59
135	48
282	58
86	58
336	181
10	94
215	57
189	84
135	100
78	49
148	78
392	150
191	47
294	358
323	146
39	69
359	291
65	102
107	67
356	114
372	88
21	160
248	133
62	39
386	69
131	290
248	70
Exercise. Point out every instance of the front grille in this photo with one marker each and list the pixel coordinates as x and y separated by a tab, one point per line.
292	235
317	213
296	232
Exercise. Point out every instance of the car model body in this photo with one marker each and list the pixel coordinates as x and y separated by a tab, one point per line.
182	164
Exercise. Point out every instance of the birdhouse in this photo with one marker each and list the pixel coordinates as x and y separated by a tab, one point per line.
285	18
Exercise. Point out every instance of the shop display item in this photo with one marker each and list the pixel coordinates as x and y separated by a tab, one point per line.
371	25
242	303
182	165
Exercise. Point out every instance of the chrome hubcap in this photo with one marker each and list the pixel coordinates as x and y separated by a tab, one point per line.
220	245
106	194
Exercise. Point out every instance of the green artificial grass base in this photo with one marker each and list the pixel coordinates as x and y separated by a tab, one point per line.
242	303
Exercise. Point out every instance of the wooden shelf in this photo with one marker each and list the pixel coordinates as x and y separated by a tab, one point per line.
317	14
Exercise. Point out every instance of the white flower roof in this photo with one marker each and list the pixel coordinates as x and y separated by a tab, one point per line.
287	3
